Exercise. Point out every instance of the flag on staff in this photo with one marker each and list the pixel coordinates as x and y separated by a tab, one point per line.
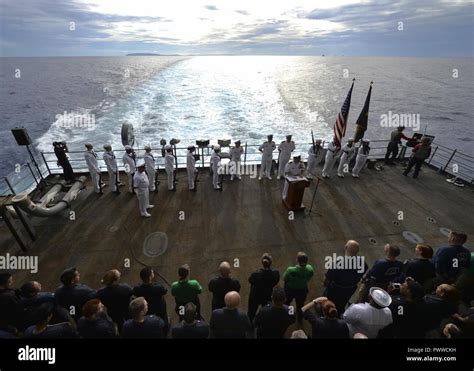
341	121
363	118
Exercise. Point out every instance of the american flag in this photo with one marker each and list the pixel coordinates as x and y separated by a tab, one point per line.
341	121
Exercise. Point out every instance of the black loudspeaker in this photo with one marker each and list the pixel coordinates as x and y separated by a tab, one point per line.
21	136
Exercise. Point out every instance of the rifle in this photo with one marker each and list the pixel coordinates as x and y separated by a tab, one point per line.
196	179
117	181
100	183
157	182
314	144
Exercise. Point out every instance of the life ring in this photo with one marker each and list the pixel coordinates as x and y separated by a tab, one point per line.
128	136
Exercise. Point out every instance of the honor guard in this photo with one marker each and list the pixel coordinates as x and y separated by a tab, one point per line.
267	149
331	156
112	169
150	167
191	167
142	189
91	160
361	158
285	148
348	152
235	154
169	167
315	155
129	160
293	168
215	162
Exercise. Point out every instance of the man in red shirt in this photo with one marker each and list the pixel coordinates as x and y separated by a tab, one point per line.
420	153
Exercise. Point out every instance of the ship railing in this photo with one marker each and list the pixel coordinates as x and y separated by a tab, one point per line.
26	177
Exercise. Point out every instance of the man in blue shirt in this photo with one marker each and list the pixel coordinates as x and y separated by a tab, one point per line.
382	272
452	259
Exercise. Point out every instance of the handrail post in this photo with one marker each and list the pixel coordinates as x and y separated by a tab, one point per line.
432	155
45	162
447	163
9	185
32	173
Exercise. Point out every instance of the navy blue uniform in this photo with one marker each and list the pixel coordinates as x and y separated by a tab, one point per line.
450	261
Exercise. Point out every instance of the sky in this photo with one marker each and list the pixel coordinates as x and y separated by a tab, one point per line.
424	28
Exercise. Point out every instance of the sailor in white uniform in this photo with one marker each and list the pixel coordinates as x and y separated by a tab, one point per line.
315	155
191	168
235	155
267	149
150	165
361	158
348	152
285	148
293	168
112	169
215	165
331	157
142	189
91	160
129	160
169	167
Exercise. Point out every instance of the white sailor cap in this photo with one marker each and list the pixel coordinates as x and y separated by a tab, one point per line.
216	147
350	139
296	155
380	296
365	140
127	147
140	163
168	146
106	146
147	148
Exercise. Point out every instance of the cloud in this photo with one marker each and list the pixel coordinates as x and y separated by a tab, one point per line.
211	7
42	27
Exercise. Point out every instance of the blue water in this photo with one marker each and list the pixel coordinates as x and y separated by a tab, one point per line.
226	97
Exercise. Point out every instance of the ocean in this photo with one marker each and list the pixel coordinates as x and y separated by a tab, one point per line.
219	97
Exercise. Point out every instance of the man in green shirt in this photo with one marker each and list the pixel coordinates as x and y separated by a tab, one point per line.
186	291
296	282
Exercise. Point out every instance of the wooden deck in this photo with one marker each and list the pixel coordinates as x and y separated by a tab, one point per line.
242	222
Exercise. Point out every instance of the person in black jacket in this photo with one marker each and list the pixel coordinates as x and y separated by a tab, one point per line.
116	297
190	327
221	285
72	295
262	282
95	323
229	322
154	294
420	268
329	326
11	308
272	320
60	150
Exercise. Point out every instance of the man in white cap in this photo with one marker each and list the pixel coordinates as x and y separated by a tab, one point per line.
369	318
112	169
361	158
331	156
267	149
142	189
285	148
93	166
150	167
191	168
315	155
129	160
169	167
215	162
347	154
293	168
235	154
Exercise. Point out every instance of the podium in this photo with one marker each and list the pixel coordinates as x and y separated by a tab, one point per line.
295	191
